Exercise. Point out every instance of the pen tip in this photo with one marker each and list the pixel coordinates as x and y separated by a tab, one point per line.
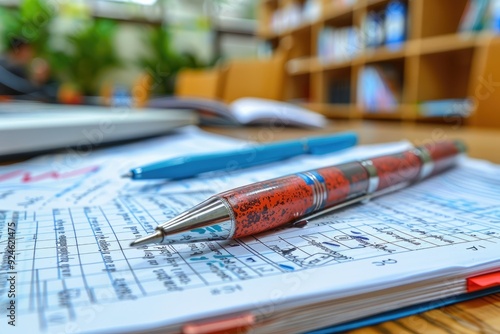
127	175
149	239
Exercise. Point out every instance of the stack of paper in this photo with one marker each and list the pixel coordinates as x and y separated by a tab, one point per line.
67	265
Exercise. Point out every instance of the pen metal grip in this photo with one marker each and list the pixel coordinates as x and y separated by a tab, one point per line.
272	203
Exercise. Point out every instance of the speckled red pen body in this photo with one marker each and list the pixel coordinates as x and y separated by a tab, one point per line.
269	204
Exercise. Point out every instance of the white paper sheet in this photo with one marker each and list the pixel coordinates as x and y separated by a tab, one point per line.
67	265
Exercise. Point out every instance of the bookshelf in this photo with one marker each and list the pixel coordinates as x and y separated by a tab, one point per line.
433	61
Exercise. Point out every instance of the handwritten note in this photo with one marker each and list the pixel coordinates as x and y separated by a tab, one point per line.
93	178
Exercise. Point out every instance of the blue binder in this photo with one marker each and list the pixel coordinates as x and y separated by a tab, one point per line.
404	312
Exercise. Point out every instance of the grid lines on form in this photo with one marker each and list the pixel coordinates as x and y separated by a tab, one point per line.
71	261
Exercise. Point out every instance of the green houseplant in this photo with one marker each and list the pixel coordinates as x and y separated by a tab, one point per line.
163	61
89	51
30	22
89	55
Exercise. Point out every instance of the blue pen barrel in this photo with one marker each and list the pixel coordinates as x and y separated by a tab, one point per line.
189	166
184	167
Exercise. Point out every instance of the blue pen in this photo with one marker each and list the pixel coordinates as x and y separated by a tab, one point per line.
189	166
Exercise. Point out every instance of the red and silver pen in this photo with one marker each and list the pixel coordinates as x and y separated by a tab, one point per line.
268	204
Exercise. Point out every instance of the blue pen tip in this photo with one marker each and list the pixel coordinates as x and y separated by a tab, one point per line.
128	175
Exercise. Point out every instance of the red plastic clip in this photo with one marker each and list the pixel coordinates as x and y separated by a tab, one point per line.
237	324
482	282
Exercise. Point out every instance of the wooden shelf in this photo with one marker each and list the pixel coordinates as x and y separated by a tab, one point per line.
331	110
314	64
436	62
335	65
448	43
265	33
300	65
384	115
297	29
332	12
371	3
381	54
402	112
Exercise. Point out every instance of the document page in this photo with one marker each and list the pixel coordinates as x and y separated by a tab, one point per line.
69	268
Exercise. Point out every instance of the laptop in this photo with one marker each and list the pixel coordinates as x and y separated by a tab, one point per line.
27	128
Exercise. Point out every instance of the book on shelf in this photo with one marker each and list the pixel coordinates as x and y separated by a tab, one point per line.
311	11
338	44
395	24
379	88
446	107
474	16
491	17
339	91
494	16
343	3
244	111
385	27
373	30
295	14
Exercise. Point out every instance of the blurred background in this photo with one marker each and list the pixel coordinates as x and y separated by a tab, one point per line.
90	46
403	60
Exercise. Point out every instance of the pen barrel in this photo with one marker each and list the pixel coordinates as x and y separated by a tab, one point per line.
413	165
272	203
393	169
268	204
443	155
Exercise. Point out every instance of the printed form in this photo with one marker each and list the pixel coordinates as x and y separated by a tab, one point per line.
67	265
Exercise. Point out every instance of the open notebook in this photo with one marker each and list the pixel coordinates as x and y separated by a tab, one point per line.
245	111
29	127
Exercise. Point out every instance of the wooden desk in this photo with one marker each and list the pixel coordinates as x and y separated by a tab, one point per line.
482	143
476	316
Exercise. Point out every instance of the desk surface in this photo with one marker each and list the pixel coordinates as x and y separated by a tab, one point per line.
482	143
476	316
